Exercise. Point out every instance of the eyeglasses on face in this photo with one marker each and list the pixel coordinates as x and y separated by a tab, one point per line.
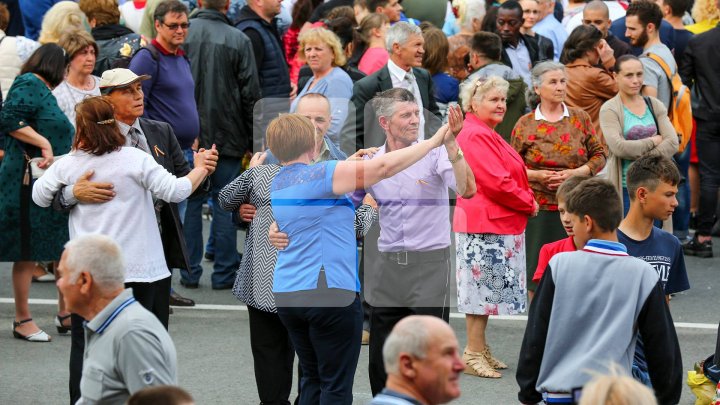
174	27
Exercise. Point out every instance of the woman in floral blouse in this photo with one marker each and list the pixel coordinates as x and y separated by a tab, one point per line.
556	142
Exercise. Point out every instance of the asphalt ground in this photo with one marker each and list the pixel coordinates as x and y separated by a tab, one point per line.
215	362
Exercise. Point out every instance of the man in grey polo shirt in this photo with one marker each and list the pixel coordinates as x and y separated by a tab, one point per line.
126	346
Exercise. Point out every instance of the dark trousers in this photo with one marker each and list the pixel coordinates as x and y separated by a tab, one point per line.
155	297
419	287
273	357
708	147
327	342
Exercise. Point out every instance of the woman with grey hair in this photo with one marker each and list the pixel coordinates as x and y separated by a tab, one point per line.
555	142
490	226
470	14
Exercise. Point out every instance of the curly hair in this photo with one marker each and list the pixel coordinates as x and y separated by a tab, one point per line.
705	10
479	87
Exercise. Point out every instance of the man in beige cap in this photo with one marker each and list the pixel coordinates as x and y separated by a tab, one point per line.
124	90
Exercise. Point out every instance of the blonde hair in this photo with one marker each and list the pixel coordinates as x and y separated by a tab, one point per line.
616	389
289	136
61	18
705	10
324	36
479	87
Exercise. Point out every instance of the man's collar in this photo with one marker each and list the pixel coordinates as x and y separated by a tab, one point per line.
520	44
164	51
539	115
105	317
323	151
125	128
396	71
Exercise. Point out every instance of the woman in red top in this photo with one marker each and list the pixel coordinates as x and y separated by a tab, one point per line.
490	226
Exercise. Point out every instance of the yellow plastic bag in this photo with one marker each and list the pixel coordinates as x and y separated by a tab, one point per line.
703	388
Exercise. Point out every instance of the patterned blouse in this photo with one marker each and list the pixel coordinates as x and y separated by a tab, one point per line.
254	280
565	144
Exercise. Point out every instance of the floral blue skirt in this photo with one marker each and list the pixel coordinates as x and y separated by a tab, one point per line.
491	276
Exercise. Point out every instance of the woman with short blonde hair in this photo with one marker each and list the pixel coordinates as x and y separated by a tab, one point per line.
63	17
615	389
490	226
323	52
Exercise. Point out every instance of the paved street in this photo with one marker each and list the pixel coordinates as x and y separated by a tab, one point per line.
215	363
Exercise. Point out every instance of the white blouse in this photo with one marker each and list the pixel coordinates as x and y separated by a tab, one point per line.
129	218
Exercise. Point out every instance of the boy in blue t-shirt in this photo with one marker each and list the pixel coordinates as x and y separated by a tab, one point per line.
652	185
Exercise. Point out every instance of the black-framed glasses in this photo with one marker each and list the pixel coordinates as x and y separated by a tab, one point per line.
174	27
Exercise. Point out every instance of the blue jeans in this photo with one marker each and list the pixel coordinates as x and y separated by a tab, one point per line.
223	231
681	216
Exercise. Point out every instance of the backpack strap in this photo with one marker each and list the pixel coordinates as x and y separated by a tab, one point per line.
648	102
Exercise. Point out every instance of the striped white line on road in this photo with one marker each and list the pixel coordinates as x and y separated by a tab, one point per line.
211	307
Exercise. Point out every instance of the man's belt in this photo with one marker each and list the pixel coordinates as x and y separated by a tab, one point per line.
415	257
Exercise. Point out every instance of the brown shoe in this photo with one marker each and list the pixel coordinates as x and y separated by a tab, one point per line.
177	300
494	363
476	364
365	338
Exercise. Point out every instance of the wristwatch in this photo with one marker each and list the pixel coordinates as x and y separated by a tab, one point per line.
457	157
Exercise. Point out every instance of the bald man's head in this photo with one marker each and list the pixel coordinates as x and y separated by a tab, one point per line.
597	13
422	352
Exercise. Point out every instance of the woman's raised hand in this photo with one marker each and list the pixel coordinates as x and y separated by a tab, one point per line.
455	119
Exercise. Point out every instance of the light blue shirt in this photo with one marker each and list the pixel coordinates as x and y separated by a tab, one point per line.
521	62
551	28
320	225
337	87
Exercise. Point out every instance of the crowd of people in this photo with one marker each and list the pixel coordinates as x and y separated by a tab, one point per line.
371	151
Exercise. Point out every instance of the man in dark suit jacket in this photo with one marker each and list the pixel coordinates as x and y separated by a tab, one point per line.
520	52
405	44
124	91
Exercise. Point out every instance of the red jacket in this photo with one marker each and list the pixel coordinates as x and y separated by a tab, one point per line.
503	200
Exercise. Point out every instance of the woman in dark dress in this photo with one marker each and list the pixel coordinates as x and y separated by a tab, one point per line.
37	128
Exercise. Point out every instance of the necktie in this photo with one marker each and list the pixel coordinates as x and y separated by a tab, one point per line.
137	140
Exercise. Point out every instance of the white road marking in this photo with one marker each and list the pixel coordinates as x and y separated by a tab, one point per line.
455	315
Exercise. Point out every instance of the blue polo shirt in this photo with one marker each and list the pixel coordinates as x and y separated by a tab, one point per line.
170	93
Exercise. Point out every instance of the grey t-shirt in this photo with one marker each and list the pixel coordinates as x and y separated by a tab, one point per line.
655	75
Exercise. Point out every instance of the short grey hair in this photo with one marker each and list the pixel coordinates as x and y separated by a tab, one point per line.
469	10
386	101
399	33
536	78
98	255
478	87
413	338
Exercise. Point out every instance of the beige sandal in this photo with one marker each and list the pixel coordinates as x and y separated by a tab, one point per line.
494	363
476	364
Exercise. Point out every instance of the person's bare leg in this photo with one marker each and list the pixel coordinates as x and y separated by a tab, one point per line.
22	278
475	325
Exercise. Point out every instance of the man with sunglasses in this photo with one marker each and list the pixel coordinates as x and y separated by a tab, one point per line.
169	94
